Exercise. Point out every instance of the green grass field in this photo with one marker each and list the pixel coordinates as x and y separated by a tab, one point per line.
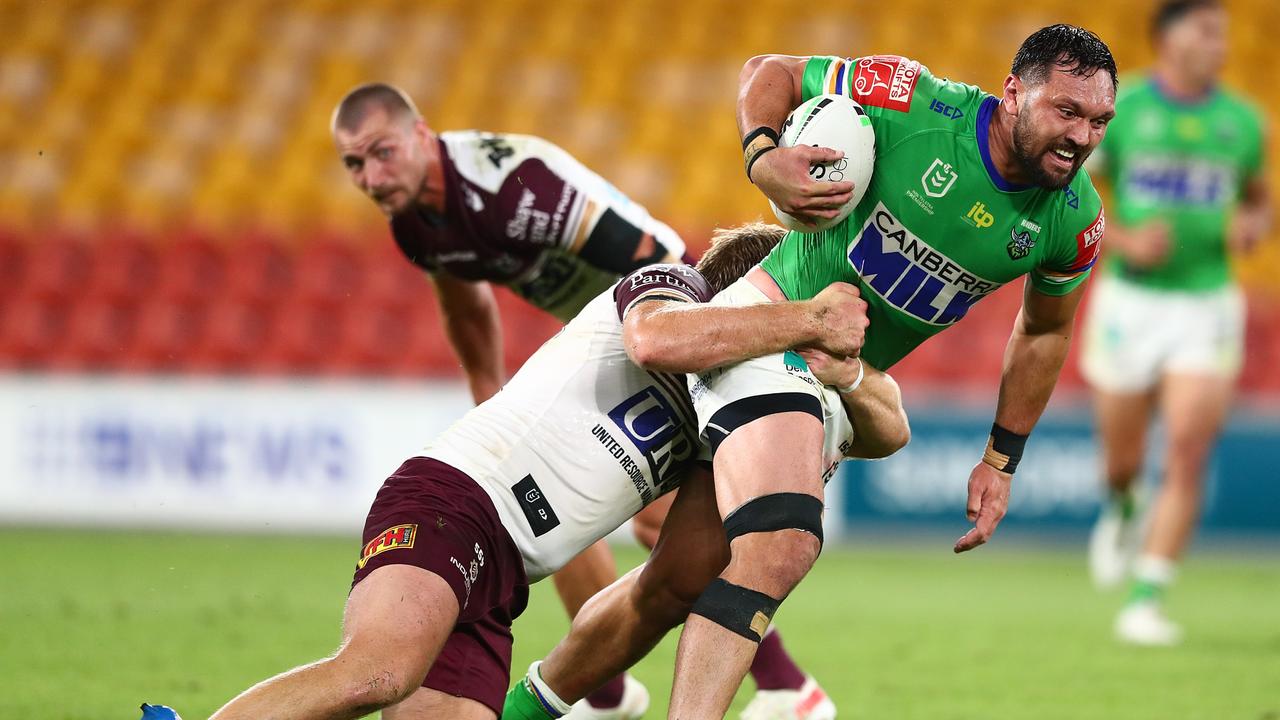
93	623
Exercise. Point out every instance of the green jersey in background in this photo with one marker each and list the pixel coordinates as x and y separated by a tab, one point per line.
1185	164
939	228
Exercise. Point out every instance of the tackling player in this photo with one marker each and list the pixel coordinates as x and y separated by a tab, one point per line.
579	440
970	191
1184	161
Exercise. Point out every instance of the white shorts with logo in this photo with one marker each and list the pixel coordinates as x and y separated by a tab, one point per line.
730	397
1135	335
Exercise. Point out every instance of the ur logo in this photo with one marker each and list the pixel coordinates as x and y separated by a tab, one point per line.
1021	244
979	216
938	179
650	422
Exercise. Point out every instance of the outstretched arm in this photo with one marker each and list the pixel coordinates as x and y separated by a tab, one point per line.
1032	360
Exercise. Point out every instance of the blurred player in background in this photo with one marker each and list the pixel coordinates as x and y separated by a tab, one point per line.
476	208
970	191
595	425
1165	330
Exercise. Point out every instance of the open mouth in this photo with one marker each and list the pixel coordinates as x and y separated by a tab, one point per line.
1063	159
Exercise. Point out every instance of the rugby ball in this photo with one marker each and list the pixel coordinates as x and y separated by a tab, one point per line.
836	122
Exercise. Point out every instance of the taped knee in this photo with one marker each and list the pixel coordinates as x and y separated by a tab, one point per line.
740	610
779	511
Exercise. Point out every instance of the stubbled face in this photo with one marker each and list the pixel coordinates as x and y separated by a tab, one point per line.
1196	44
386	158
1060	123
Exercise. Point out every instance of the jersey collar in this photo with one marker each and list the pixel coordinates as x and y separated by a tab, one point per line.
984	147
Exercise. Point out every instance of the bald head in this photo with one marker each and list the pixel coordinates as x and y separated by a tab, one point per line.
366	100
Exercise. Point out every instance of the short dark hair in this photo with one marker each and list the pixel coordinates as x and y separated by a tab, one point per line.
1076	50
356	105
1171	11
736	250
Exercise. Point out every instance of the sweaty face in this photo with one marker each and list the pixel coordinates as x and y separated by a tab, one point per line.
1197	44
385	158
1060	123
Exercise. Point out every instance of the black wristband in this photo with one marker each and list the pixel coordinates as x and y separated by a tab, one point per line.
756	156
764	130
1004	449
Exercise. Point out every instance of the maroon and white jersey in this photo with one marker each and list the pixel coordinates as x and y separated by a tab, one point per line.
521	212
581	438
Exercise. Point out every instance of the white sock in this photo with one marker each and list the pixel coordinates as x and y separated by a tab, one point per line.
1154	569
544	691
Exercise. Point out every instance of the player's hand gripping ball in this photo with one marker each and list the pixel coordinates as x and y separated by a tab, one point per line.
836	122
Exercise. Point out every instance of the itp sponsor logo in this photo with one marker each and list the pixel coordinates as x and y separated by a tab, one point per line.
979	217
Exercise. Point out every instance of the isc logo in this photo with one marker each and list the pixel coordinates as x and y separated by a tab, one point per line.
651	424
979	216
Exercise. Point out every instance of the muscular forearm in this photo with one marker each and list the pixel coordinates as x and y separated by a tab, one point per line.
767	91
880	426
684	338
1032	361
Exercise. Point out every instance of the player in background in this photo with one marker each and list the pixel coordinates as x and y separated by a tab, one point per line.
580	439
1165	327
476	208
970	191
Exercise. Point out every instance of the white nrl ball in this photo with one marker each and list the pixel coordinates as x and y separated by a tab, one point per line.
836	122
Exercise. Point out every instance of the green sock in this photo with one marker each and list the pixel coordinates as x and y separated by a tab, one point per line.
1124	502
522	703
1145	591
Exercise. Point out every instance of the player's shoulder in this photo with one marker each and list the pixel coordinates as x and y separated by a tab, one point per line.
906	91
488	158
1079	203
1249	111
667	280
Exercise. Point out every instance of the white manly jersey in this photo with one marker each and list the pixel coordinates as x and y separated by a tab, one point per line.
581	438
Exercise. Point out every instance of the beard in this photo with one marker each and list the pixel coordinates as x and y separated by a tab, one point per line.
1032	163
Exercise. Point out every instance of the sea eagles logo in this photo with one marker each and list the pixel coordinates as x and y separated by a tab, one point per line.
1021	245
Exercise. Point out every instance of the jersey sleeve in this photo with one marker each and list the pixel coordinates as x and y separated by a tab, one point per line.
553	200
1076	243
668	282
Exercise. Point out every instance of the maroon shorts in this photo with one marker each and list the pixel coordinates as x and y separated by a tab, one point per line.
434	516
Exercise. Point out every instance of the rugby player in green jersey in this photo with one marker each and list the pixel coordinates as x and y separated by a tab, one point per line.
970	191
1165	327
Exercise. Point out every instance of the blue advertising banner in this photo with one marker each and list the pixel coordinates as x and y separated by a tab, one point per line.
1058	484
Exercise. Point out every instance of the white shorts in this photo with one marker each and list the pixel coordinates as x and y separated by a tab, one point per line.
1135	335
728	398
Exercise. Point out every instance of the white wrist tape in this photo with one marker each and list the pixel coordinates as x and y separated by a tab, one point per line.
856	382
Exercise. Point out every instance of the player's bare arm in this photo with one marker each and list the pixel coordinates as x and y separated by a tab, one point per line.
672	336
1252	220
872	399
471	322
1032	360
769	89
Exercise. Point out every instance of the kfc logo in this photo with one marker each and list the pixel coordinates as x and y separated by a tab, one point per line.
886	81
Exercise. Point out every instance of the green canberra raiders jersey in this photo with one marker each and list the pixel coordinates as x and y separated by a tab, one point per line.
938	228
1186	165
